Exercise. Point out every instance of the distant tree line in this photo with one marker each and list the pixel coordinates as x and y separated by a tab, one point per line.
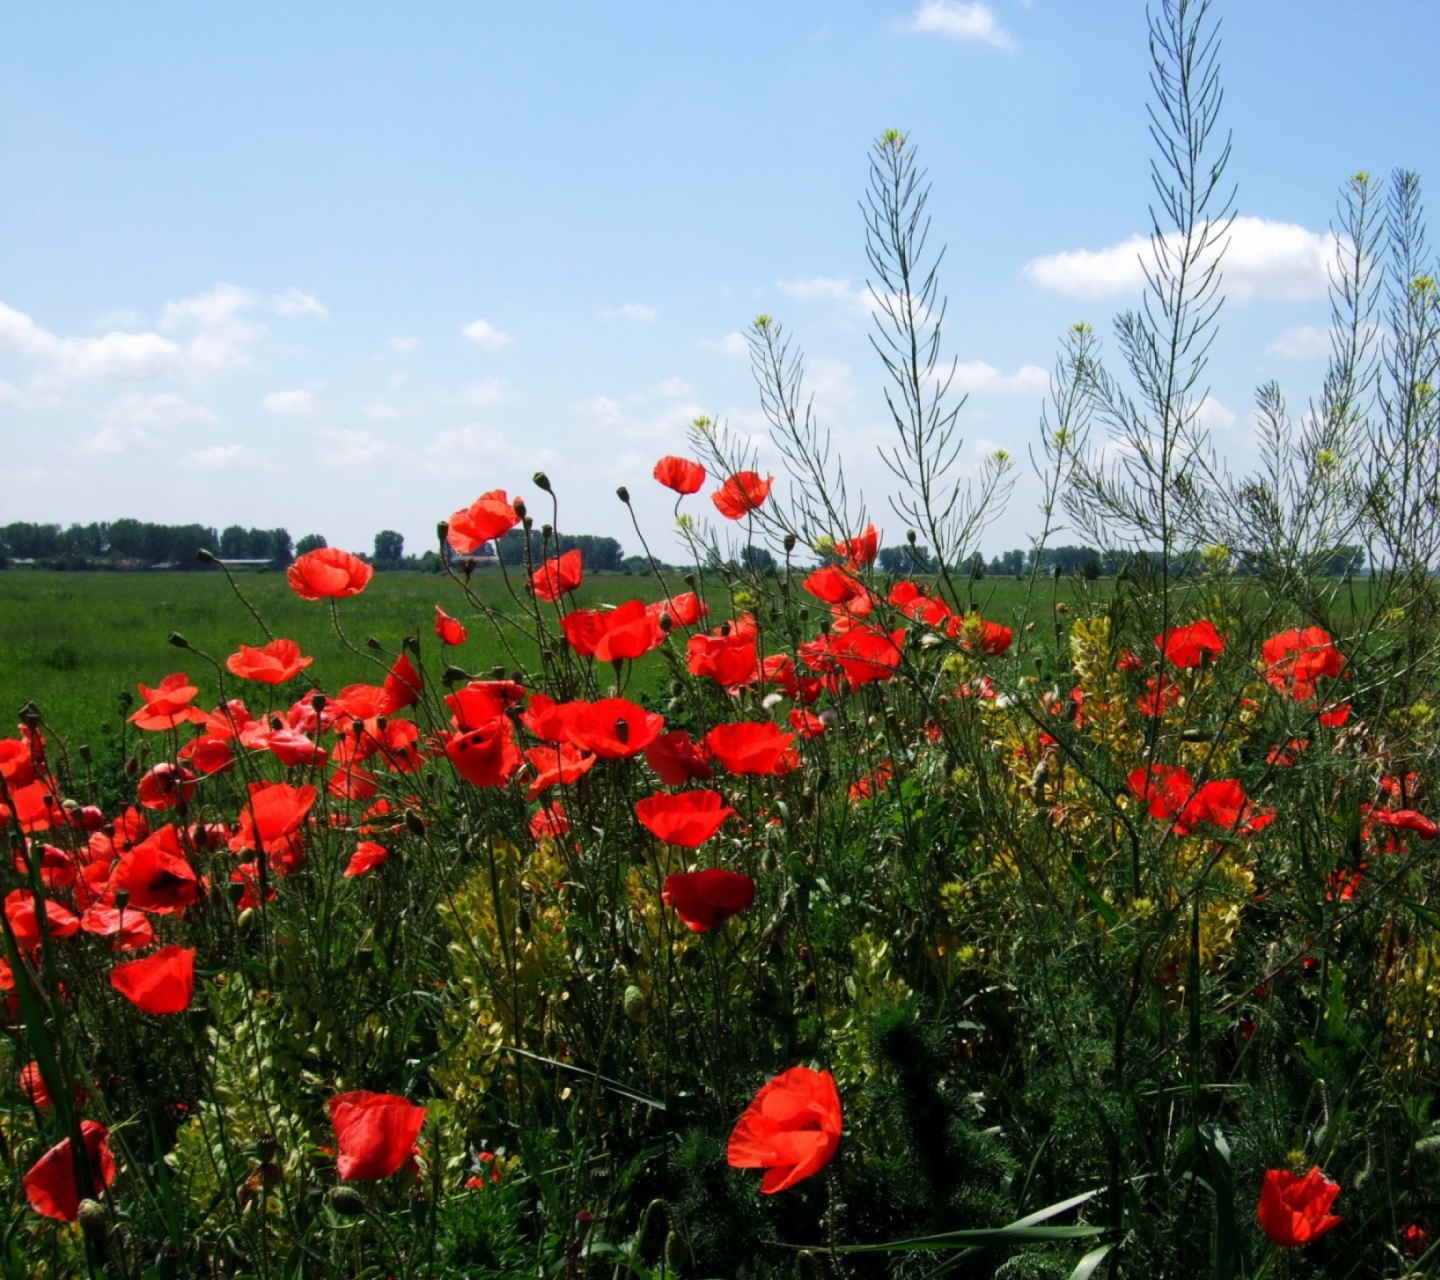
598	554
135	544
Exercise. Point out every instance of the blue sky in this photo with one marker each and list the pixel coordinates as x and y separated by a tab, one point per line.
343	267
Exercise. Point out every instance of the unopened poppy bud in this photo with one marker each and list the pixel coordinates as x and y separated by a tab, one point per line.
497	672
689	579
178	640
789	542
664	623
204	556
542	481
419	1206
453	675
373	643
83	751
30	715
318	703
245	919
92	1220
519	507
824	626
584	1220
1039	664
122	899
634	1004
911	536
265	1147
804	613
623	494
132	767
235	891
442	530
415	824
347	1201
412	643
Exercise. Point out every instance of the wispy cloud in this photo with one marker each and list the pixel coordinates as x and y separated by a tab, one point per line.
404	343
636	311
477	449
477	395
347	447
976	375
295	303
290	404
958	21
484	334
732	344
1304	342
1263	259
230	457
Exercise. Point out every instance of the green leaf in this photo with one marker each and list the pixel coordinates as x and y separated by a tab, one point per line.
1087	1265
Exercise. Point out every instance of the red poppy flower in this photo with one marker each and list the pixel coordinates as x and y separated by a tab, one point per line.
556	764
743	493
480	701
1222	804
57	868
450	630
328	574
165	785
1191	645
687	819
630	631
272	816
1130	661
685	610
752	748
1294	660
375	1132
705	899
25	923
130	928
248	874
866	654
1161	694
791	1129
16	766
674	757
169	705
50	1185
728	660
351	783
289	747
551	820
491	515
680	474
872	784
1336	715
367	857
208	755
612	728
487	756
980	635
1286	756
160	983
32	1085
582	630
1294	1211
555	577
915	602
833	585
806	723
362	701
544	718
862	550
274	663
156	875
402	687
37	807
1406	820
1166	787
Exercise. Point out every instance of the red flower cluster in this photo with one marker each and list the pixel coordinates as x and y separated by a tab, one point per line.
791	1129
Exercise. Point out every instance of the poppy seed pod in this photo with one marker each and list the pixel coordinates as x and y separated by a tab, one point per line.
319	702
542	481
547	531
373	643
415	824
91	1217
519	507
178	640
623	494
347	1201
442	528
911	536
789	542
689	580
204	556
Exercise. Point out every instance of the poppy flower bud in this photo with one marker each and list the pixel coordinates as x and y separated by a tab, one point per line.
527	523
497	672
412	643
204	556
265	1148
664	622
542	481
824	626
689	579
373	643
132	767
623	494
789	542
634	1004
91	1217
30	715
122	899
453	675
347	1201
547	531
584	1220
442	529
519	507
420	1203
178	640
236	892
319	702
910	536
246	918
83	750
415	824
804	613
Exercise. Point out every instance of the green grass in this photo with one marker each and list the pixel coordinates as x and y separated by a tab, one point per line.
71	642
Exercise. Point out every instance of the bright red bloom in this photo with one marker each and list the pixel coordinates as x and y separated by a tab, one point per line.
706	899
481	701
915	602
862	550
545	718
680	474
156	875
1293	1210
1294	660
165	785
375	1132
979	634
32	1085
160	983
743	493
555	577
57	868
288	746
752	748
25	922
833	585
1192	645
274	663
582	630
402	687
872	784
791	1129
37	807
550	820
169	705
1161	694
1414	1240
50	1185
367	857
450	630
1130	661
487	756
1222	804
612	728
272	817
630	631
1406	820
16	765
131	929
556	764
685	610
674	757
728	660
1336	715
351	783
1167	787
491	515
1286	756
687	819
328	574
866	654
208	755
806	723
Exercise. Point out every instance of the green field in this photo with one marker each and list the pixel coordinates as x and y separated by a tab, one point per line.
71	642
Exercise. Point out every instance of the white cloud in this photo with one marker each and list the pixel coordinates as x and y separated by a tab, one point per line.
477	449
1214	416
295	303
959	21
1264	259
484	334
732	344
976	375
290	404
230	457
117	437
162	410
821	289
347	447
403	343
1304	342
676	389
637	311
477	395
120	318
383	410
